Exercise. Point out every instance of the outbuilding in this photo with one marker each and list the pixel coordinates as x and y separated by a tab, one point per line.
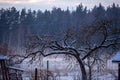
8	72
116	59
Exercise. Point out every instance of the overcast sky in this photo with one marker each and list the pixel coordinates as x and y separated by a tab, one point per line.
49	4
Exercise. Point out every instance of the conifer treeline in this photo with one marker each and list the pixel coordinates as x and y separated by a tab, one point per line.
55	21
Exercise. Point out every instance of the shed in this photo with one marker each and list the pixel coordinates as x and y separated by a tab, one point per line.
9	72
116	59
3	69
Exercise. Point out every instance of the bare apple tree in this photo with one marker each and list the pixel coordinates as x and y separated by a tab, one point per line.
79	43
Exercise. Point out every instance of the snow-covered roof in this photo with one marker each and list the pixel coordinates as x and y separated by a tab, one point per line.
19	69
3	57
116	58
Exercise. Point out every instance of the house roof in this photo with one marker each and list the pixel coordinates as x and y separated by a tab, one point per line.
2	57
116	58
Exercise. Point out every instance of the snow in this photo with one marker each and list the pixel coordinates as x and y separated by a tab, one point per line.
65	78
116	58
3	57
59	65
11	67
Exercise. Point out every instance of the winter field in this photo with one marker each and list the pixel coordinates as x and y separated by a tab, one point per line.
59	68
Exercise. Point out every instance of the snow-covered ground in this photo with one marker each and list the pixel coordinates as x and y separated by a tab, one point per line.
59	66
64	78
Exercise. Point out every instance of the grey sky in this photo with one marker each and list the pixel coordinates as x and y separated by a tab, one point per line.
49	4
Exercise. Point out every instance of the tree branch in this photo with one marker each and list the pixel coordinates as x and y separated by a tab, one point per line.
99	47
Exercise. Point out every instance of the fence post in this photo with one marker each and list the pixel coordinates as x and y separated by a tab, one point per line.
47	68
36	73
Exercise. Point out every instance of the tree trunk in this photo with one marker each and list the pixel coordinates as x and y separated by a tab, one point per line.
82	67
90	73
90	69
